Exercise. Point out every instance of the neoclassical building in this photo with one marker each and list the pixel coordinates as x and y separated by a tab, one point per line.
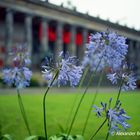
48	29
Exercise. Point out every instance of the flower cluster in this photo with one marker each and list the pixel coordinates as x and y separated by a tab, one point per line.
20	56
67	71
105	50
19	74
125	75
116	116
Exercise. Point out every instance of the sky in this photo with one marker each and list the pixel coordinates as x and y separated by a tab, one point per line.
126	12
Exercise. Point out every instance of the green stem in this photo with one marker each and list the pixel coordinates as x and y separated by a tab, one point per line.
77	95
98	129
44	107
79	104
119	93
23	112
107	136
93	101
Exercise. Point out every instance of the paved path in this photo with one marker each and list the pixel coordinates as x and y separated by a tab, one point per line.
56	90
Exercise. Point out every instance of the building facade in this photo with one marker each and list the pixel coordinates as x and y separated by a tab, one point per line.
47	29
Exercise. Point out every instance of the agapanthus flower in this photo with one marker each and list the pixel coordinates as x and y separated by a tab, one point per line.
117	118
106	49
19	74
125	75
20	55
68	71
129	82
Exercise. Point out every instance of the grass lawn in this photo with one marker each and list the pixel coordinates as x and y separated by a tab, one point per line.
58	107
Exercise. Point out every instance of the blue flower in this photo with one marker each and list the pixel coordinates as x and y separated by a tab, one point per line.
108	49
19	77
7	76
20	55
19	74
117	118
68	72
123	74
129	82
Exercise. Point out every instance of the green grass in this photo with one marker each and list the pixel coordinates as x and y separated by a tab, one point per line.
58	107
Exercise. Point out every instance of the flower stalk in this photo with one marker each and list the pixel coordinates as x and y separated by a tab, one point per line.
44	107
82	97
119	93
91	138
22	109
93	101
77	95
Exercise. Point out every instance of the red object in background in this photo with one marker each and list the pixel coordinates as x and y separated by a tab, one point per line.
40	32
51	33
1	63
79	39
2	49
66	37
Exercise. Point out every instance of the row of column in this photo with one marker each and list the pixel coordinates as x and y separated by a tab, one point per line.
44	41
59	41
134	56
134	47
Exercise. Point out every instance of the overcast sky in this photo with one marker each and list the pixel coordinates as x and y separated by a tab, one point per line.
127	12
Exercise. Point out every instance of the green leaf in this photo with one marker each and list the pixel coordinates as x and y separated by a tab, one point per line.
78	137
6	137
41	138
73	137
63	136
54	138
31	137
35	138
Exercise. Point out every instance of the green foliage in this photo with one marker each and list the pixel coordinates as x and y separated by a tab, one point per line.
35	138
2	84
34	82
0	130
65	137
6	137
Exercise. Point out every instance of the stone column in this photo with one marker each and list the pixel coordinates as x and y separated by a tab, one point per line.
44	39
59	39
131	52
8	33
28	33
73	45
85	34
